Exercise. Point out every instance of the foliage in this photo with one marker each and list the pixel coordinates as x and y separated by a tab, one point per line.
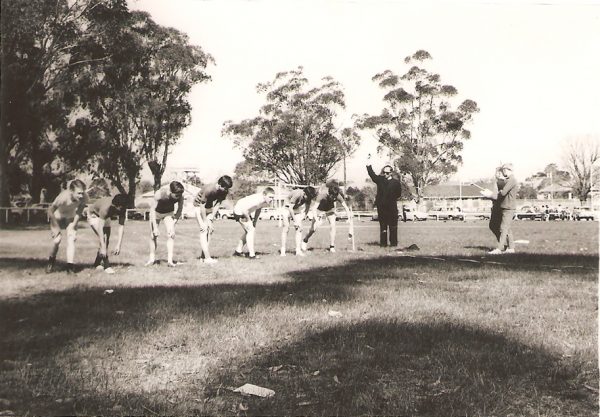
419	124
526	192
45	47
246	179
361	198
294	137
581	154
136	102
175	67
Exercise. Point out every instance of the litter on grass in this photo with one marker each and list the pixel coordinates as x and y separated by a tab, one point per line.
522	241
250	389
108	291
333	313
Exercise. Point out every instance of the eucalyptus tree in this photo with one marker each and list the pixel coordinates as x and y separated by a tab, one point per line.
175	67
136	101
45	45
294	137
420	125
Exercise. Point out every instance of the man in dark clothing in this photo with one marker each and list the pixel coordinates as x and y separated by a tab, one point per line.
388	192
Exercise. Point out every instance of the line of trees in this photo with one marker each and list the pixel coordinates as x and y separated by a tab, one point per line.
295	139
90	86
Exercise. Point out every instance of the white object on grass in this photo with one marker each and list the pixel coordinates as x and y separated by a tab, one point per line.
251	389
333	313
522	241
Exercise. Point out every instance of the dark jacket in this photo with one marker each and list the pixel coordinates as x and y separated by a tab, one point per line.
388	191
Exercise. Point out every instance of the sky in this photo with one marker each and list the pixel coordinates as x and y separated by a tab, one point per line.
532	67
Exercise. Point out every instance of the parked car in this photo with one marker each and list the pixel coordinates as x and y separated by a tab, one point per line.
269	213
528	212
584	213
412	215
446	213
340	214
224	213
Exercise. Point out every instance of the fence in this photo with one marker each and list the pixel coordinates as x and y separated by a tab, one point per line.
39	215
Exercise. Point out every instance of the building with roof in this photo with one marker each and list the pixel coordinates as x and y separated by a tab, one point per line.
457	194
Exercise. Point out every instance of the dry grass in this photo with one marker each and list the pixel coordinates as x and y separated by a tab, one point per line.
441	333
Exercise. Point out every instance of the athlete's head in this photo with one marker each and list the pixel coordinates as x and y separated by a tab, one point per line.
269	194
225	182
77	188
310	192
120	201
176	189
333	190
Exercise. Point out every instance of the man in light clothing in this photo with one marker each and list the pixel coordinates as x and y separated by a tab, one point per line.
295	209
243	211
506	202
324	206
99	218
64	214
162	207
207	203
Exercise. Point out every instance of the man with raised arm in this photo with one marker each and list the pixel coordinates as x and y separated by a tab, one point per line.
389	190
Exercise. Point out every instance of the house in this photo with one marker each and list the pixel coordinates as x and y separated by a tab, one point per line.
456	194
553	191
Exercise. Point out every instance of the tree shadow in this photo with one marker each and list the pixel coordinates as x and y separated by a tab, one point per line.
17	264
400	356
394	368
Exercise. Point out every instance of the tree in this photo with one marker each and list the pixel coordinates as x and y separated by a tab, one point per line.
419	125
136	105
553	175
246	179
294	137
44	48
580	155
175	67
526	192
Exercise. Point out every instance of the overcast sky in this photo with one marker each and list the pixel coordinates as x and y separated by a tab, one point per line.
533	68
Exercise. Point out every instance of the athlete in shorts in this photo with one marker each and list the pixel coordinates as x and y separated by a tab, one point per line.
100	214
242	211
295	209
206	204
163	208
64	214
324	205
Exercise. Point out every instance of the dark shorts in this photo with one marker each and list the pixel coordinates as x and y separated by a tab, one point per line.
325	206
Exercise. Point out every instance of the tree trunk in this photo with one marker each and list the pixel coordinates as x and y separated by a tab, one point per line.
132	188
157	180
37	176
4	194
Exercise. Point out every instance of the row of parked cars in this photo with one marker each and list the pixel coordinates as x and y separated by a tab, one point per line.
535	213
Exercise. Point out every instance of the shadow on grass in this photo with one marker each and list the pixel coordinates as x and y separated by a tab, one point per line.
14	264
79	311
397	373
395	368
372	368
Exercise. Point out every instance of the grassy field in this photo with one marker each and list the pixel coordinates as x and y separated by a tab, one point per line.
443	331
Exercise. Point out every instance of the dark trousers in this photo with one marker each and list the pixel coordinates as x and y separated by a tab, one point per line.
388	226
